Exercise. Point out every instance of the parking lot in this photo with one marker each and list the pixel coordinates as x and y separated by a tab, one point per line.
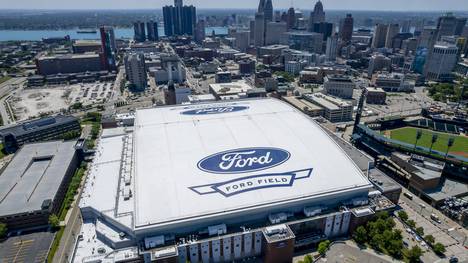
28	248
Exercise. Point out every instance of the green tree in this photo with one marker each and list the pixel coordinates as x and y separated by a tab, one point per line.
323	247
395	247
54	221
360	235
308	259
3	230
403	215
377	242
438	248
418	136
411	223
414	254
419	231
429	239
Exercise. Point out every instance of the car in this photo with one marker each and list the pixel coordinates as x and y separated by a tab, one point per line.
405	243
453	259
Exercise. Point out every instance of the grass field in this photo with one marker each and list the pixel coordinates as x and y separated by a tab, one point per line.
408	135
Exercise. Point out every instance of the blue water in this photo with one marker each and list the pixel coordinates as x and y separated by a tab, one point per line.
36	35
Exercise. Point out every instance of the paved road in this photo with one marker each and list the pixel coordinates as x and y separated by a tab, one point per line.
28	248
348	253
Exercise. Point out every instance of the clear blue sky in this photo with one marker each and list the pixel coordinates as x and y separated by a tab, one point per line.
395	5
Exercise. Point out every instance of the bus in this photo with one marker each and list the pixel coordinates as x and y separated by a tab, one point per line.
408	195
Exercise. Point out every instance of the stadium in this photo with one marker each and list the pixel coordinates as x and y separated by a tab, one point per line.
219	182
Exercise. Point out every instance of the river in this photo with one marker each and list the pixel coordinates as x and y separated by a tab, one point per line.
37	35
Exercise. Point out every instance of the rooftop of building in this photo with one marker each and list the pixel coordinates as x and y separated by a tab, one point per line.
34	175
230	88
86	43
329	102
338	78
43	123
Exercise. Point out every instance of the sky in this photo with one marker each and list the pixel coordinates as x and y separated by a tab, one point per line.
384	5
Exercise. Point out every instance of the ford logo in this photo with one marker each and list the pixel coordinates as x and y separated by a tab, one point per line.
214	110
243	160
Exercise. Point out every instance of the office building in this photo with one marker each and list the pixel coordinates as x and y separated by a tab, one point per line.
246	67
339	86
171	69
379	62
265	7
428	36
294	67
305	41
34	183
179	19
334	109
135	70
440	65
85	46
393	82
44	129
265	209
346	28
447	25
259	33
380	36
200	31
68	63
242	41
406	26
223	77
139	31
274	32
317	16
109	48
152	30
291	18
331	51
376	96
324	28
230	91
392	31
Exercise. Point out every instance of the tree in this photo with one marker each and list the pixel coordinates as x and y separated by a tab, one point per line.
360	235
308	259
414	254
438	248
395	247
450	142
3	230
323	247
429	239
411	223
403	215
377	242
419	231
433	140
54	221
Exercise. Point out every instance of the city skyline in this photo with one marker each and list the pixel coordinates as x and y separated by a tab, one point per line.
368	5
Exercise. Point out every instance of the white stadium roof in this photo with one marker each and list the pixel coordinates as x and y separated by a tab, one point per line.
204	161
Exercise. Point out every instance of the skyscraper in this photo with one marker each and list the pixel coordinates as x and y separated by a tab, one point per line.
346	29
179	19
135	70
440	63
446	25
380	36
259	35
152	29
324	28
139	31
200	31
291	18
317	16
268	10
392	31
332	48
109	48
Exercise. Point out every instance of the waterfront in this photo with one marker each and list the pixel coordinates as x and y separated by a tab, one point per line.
37	35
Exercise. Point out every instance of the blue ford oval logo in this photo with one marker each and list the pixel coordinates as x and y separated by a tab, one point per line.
214	110
243	160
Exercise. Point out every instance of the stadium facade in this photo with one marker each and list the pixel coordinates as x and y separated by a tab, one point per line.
219	182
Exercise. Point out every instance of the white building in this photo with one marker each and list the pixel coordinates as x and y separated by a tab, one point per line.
339	86
332	48
135	70
335	109
294	67
217	182
441	62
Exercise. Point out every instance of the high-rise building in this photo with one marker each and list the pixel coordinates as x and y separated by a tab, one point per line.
200	31
380	36
274	32
406	26
428	36
109	48
346	28
268	10
446	25
152	29
461	22
324	28
179	19
291	19
139	31
317	16
392	31
260	26
135	70
441	62
242	41
332	48
252	32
